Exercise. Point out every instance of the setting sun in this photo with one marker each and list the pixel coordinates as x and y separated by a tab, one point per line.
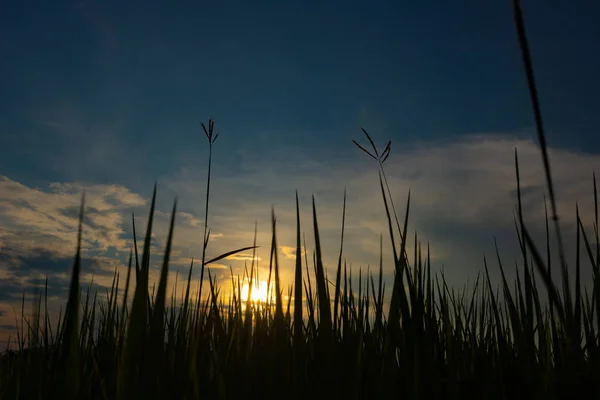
260	292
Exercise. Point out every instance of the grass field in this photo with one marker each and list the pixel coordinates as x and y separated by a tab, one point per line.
328	340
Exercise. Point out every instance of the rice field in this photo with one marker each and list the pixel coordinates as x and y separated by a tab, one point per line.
532	338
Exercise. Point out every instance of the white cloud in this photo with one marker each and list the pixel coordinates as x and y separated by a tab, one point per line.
35	219
463	194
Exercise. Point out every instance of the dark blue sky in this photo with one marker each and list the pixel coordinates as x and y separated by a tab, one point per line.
98	93
142	75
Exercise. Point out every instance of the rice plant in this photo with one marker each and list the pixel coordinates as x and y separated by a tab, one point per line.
330	340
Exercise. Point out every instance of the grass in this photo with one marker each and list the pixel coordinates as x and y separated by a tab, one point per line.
331	340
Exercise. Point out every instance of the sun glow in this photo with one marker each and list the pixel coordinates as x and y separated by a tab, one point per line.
260	292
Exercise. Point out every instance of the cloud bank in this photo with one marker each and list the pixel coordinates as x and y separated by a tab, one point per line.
462	196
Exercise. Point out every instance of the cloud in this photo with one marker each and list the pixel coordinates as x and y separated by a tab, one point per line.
8	327
289	252
463	196
217	266
242	257
39	233
36	220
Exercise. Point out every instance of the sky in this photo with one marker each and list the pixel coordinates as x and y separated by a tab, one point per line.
107	97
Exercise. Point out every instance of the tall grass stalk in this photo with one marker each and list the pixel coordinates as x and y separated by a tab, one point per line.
434	342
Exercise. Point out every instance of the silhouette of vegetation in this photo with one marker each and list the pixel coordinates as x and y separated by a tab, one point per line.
433	342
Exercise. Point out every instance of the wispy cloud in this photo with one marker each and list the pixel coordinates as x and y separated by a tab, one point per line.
243	257
35	220
290	252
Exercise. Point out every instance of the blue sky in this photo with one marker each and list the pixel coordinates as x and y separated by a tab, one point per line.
107	96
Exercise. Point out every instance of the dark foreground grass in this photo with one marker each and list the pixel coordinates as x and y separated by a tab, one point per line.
332	340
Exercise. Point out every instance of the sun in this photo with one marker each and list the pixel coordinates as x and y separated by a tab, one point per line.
260	292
